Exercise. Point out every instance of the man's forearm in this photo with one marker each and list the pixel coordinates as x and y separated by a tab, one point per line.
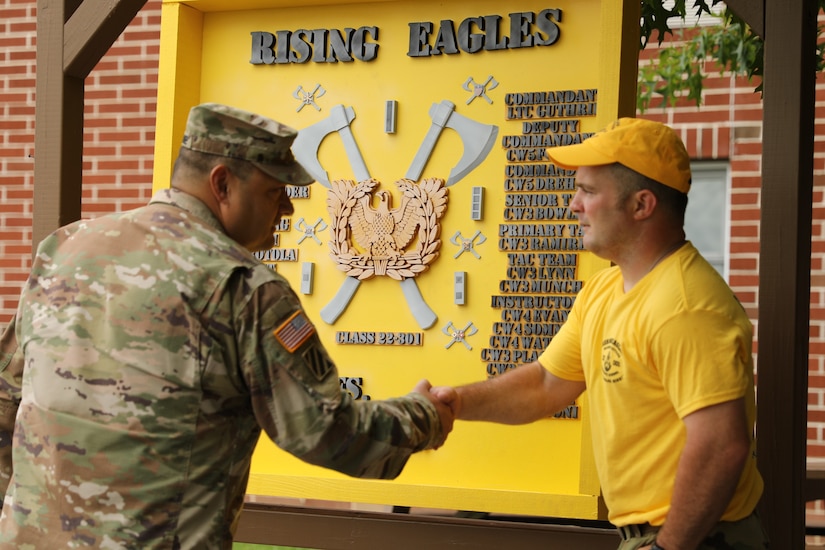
522	395
706	479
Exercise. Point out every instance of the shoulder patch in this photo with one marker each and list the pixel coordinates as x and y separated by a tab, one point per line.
317	363
294	331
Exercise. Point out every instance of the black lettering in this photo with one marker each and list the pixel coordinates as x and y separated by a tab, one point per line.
520	36
300	50
492	40
445	41
547	25
319	45
361	49
419	38
339	46
262	43
468	40
282	45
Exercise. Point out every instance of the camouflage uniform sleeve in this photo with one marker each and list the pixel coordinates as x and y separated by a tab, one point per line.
298	400
11	373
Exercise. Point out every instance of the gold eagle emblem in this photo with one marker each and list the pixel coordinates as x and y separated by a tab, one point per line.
398	242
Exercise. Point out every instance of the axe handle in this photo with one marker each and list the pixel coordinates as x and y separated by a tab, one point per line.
423	153
356	159
340	301
419	308
440	114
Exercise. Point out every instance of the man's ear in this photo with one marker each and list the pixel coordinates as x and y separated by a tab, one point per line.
219	183
645	204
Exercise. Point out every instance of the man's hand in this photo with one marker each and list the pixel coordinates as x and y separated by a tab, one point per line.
449	396
445	413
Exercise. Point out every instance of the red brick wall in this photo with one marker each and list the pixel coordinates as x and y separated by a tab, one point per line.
118	137
17	57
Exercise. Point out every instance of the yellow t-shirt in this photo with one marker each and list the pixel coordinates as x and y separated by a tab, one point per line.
679	341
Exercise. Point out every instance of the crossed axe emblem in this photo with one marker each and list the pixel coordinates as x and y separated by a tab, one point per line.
480	90
478	140
309	231
459	335
308	98
467	245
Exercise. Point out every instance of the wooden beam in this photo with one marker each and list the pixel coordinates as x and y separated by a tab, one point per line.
752	13
91	31
785	264
58	137
72	36
356	530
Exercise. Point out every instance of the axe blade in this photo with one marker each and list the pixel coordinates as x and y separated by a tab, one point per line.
478	139
308	141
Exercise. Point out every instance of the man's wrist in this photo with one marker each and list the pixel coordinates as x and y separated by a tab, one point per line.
655	546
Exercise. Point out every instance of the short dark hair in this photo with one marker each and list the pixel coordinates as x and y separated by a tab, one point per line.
202	163
672	200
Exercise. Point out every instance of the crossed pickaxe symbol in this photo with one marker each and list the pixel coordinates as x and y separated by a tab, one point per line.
480	90
459	335
467	245
310	230
308	98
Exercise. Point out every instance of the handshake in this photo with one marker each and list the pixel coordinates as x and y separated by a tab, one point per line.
520	396
447	402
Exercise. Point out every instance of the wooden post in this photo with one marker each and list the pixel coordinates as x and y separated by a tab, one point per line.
58	137
785	265
72	36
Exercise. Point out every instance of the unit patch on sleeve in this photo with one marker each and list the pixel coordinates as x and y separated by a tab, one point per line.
317	362
294	331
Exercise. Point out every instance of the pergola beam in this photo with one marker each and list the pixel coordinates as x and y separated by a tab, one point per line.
92	29
72	37
752	13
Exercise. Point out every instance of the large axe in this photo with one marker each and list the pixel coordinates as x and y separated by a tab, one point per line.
305	149
477	138
306	144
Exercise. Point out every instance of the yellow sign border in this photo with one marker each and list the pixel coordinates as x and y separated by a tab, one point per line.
179	89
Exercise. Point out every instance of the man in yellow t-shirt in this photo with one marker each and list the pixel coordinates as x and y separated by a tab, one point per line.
662	345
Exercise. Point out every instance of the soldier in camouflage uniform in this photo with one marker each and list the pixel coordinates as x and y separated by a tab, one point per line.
151	347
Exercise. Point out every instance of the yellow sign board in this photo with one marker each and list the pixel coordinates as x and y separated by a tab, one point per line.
438	241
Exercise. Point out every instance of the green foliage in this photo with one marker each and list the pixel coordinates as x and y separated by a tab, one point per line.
655	17
679	70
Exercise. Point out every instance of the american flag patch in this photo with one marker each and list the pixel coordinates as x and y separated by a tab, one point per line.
295	331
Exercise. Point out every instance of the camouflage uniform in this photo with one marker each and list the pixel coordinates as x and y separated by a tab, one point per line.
152	351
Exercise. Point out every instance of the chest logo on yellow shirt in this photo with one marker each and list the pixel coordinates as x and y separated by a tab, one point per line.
612	361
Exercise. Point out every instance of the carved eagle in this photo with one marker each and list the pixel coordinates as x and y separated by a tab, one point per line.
383	231
385	235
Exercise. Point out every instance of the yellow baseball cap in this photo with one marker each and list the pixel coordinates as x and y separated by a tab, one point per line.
649	148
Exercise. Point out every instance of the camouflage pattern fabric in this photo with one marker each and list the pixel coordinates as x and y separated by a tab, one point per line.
745	534
154	349
235	133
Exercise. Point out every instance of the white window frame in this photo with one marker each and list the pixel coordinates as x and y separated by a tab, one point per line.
711	173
